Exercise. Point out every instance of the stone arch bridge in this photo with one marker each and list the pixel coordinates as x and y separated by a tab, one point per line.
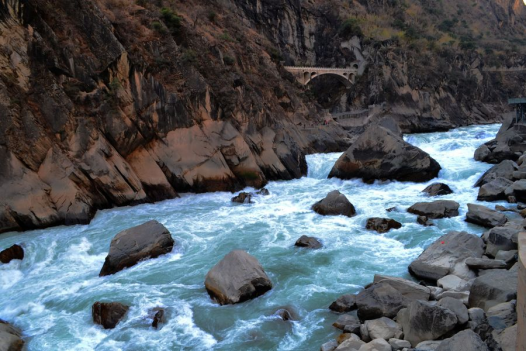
305	74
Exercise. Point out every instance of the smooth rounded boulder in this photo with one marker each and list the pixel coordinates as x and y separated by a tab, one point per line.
108	314
437	189
334	204
379	153
308	242
15	252
238	277
148	240
382	225
435	209
494	190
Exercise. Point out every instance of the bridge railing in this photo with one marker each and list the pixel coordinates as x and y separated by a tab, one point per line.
294	68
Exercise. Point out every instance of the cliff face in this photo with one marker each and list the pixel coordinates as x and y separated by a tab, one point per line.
116	102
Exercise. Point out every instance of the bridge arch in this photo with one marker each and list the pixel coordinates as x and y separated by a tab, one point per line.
305	75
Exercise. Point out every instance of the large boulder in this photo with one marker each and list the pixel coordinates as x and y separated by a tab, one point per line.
437	189
501	239
494	287
494	190
406	288
507	145
466	340
148	240
236	278
379	153
382	225
308	242
108	314
344	303
423	321
503	315
435	209
383	328
447	255
10	338
379	300
456	306
483	216
334	204
15	252
504	170
517	190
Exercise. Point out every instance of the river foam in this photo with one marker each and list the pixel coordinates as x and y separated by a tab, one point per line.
49	294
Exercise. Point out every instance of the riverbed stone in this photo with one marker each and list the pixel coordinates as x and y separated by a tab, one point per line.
334	204
435	209
485	263
503	315
158	319
10	337
379	300
382	225
437	189
492	288
447	255
508	338
508	256
406	288
494	190
504	170
459	295
329	346
346	320
423	220
344	303
15	252
350	345
383	328
483	216
146	241
379	153
518	190
108	314
308	242
238	277
423	321
457	307
465	340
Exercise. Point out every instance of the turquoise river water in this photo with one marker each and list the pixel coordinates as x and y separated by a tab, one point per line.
49	294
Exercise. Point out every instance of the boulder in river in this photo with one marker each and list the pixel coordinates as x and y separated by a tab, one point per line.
507	145
423	321
435	209
308	242
504	170
344	303
447	255
379	153
334	204
379	300
148	240
15	252
437	189
494	190
108	314
242	198
483	216
236	278
382	225
423	220
158	319
10	337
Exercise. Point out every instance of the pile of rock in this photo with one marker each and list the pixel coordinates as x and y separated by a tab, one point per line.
468	303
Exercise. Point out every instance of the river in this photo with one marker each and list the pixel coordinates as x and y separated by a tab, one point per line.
49	294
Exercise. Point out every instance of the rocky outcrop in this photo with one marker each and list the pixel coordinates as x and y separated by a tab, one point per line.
10	338
504	170
437	189
382	225
15	252
447	255
484	216
435	209
508	145
308	242
334	204
378	153
494	190
236	278
108	314
148	240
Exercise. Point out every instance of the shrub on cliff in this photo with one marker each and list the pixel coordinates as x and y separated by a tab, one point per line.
171	19
351	27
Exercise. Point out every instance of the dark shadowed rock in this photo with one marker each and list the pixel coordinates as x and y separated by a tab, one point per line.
308	242
285	314
435	209
504	170
494	190
378	153
447	255
148	240
423	220
15	252
242	198
344	303
437	189
406	288
158	319
334	204
263	192
422	321
10	338
492	288
483	216
465	340
379	300
108	314
236	278
347	321
382	225
517	190
457	307
501	238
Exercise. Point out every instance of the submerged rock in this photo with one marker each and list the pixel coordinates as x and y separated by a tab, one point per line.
148	240
236	278
243	198
308	242
435	209
437	189
379	153
108	314
382	225
10	337
423	220
481	215
15	252
158	319
334	204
